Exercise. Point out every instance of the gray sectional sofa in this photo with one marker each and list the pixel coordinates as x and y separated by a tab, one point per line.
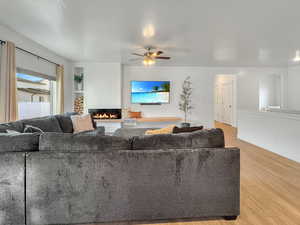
58	177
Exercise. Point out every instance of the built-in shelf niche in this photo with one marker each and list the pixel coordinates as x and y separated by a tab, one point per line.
78	90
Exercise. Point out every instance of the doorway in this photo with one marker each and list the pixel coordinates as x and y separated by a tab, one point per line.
225	99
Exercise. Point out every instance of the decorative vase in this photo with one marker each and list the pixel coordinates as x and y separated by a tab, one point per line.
185	124
80	86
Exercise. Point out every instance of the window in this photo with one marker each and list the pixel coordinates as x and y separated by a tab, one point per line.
36	94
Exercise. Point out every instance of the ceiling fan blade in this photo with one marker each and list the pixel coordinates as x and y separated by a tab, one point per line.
163	57
138	54
159	52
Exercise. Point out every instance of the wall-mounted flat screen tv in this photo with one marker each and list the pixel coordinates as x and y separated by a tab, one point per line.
150	92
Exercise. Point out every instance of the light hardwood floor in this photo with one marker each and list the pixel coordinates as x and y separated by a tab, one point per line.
270	188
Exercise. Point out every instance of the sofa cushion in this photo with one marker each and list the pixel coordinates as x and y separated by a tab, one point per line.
65	121
16	126
98	131
80	142
46	124
19	142
213	138
131	132
161	141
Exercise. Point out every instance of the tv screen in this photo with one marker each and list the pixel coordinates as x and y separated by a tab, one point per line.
150	92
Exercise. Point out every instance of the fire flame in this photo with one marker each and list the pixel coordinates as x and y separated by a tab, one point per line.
105	116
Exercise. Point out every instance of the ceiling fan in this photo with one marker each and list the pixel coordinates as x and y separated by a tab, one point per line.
150	56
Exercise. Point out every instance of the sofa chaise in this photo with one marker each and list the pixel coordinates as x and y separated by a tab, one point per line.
58	177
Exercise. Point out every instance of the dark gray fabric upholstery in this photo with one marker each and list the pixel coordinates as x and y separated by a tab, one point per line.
98	131
161	141
81	142
12	205
65	121
17	126
131	132
67	188
213	138
46	124
19	142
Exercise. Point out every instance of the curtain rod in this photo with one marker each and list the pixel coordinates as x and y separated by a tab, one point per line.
28	52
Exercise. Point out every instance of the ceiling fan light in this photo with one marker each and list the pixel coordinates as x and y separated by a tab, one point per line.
151	62
148	61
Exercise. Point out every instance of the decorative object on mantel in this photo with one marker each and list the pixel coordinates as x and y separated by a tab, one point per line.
185	103
79	105
78	78
145	120
132	114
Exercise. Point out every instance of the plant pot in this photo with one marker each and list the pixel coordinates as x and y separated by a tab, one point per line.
185	124
80	86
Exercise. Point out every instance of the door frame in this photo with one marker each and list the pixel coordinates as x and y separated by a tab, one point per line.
220	80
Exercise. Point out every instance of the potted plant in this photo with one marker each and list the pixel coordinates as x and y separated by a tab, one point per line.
78	78
186	100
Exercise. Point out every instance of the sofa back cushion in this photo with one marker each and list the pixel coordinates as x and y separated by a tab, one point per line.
131	132
16	126
19	142
81	142
213	138
46	124
65	121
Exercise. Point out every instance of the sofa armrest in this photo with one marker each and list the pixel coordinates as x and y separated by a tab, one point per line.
21	142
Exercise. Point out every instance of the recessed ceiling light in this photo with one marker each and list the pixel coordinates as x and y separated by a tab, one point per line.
149	31
297	57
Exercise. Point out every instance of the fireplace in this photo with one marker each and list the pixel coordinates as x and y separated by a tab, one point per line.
106	114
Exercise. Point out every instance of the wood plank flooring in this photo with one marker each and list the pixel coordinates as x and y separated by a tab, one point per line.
270	188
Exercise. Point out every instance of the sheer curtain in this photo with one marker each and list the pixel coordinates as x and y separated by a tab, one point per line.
60	89
8	83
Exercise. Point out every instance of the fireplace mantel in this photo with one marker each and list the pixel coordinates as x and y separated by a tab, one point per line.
145	120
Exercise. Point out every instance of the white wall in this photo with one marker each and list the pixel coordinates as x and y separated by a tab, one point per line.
293	88
102	84
276	132
270	91
27	44
202	83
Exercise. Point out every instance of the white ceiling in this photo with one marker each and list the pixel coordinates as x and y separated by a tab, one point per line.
193	32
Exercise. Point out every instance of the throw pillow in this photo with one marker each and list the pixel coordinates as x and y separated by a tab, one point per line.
166	130
177	130
82	123
32	129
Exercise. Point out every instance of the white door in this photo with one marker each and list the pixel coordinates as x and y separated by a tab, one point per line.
227	101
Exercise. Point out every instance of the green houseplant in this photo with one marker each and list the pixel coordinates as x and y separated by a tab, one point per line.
185	103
